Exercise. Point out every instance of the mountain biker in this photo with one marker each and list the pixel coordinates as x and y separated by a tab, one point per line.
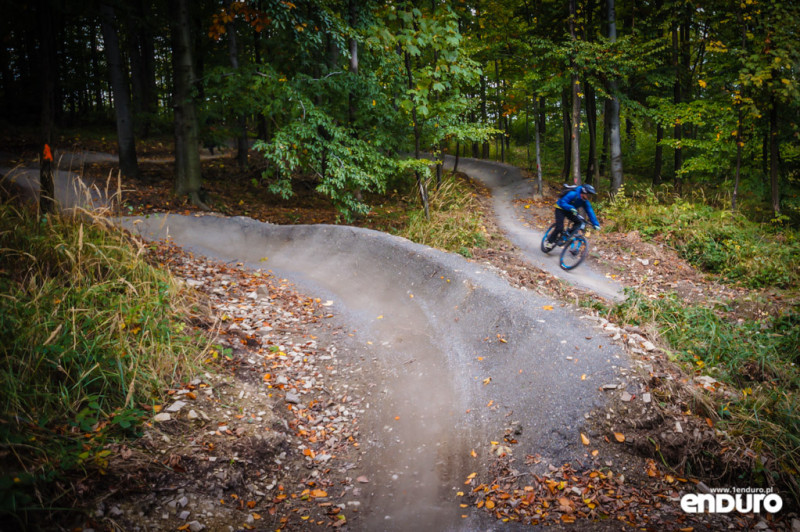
568	205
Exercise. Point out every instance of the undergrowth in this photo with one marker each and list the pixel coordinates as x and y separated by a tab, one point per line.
455	223
758	357
716	241
90	334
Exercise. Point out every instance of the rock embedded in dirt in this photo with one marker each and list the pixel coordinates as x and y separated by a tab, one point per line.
292	398
175	407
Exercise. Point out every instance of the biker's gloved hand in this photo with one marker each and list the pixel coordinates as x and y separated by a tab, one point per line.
574	211
597	227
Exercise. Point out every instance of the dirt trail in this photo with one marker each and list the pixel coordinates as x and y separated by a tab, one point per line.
457	357
508	184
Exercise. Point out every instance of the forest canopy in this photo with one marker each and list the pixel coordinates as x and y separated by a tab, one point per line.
689	95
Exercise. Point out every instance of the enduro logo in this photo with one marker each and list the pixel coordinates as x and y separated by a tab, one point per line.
742	500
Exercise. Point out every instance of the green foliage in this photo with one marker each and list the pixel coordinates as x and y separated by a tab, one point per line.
455	223
716	241
88	331
342	163
759	357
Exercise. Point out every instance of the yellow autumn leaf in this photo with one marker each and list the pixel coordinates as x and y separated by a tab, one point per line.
256	516
473	454
620	437
584	439
548	307
489	505
319	493
595	452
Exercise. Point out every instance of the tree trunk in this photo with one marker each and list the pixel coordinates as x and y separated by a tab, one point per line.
527	135
351	97
242	144
96	76
539	188
592	171
188	178
615	144
476	147
606	135
261	120
576	102
422	184
48	72
499	108
542	116
485	116
774	156
126	140
739	145
148	48
136	67
677	97
567	134
658	164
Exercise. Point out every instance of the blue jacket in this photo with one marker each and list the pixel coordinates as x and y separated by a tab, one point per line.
573	200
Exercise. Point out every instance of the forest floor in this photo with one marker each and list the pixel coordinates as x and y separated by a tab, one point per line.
225	453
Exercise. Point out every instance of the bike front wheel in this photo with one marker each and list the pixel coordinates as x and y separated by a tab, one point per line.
575	251
547	247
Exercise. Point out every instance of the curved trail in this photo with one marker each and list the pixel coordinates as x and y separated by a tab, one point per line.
428	344
428	355
507	184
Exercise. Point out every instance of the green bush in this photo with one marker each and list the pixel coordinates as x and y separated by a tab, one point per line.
716	241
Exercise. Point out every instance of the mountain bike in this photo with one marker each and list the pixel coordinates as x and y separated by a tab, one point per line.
576	248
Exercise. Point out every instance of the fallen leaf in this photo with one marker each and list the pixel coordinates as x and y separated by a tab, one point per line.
319	493
473	454
584	439
363	479
489	505
548	307
620	437
487	380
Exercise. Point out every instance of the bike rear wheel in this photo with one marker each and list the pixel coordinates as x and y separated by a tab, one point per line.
547	247
575	251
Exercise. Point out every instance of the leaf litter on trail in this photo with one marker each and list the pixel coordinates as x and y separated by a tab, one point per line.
264	333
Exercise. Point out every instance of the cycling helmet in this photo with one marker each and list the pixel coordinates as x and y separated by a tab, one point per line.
589	189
